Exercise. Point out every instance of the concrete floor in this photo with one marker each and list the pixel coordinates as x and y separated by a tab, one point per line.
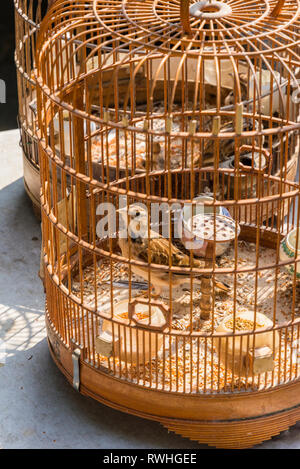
38	409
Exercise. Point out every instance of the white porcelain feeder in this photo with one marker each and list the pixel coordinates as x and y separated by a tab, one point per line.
249	352
200	231
137	344
288	251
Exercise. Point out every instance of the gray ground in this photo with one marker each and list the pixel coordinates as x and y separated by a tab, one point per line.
38	408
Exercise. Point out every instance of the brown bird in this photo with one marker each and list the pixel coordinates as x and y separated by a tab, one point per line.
156	249
229	100
226	145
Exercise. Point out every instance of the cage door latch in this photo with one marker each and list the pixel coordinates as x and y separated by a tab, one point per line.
76	368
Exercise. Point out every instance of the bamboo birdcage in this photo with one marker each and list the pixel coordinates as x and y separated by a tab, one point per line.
28	15
166	131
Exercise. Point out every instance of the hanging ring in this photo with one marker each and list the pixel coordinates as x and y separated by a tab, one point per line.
211	9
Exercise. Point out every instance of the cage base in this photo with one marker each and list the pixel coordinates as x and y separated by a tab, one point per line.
236	435
231	420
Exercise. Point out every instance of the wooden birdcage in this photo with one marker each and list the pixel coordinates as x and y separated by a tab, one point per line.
167	133
28	15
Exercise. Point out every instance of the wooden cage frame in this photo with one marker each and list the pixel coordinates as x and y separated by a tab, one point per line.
207	379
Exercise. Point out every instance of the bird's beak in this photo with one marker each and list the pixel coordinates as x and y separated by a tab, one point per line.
120	210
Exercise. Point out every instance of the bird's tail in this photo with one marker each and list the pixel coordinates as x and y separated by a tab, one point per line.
222	286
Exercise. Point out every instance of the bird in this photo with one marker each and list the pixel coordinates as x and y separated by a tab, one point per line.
154	248
229	100
226	145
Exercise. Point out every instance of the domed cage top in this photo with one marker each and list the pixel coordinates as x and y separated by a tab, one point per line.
169	139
